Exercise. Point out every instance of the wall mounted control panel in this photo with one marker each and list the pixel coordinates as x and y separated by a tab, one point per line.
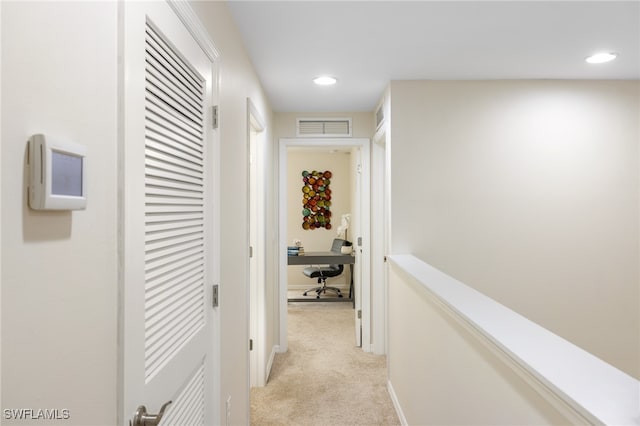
57	174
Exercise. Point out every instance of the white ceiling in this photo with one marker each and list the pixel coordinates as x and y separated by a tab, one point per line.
366	44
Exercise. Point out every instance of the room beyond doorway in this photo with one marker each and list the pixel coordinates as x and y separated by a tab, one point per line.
359	152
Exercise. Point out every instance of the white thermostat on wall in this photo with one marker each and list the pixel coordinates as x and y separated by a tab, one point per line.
57	174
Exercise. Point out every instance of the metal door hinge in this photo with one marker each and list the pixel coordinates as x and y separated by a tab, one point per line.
214	298
385	258
250	344
214	117
250	251
359	241
359	313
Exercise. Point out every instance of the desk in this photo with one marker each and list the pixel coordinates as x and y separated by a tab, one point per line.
325	258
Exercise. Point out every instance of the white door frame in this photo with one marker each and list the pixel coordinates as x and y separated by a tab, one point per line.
364	303
257	241
380	241
381	228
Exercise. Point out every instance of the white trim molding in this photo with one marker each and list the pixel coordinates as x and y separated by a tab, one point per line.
396	404
364	302
193	24
272	356
581	386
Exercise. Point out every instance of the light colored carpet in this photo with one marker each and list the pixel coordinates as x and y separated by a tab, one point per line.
298	296
324	379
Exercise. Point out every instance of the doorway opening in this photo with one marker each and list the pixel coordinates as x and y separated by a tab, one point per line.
355	152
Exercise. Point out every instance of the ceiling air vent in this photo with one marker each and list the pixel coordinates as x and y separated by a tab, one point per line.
323	127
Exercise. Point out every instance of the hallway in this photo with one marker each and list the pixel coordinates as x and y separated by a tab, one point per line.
323	379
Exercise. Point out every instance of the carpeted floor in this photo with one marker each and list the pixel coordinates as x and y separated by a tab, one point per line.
323	379
298	296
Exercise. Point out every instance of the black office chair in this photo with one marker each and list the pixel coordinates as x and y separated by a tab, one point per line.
324	272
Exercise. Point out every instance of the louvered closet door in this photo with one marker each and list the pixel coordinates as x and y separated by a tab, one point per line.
169	264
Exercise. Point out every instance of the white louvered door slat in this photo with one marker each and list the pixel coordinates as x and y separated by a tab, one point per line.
174	90
189	409
158	124
167	246
174	178
170	321
184	324
184	260
164	87
159	223
169	226
156	180
167	145
176	253
164	166
172	107
164	275
169	68
169	158
178	289
173	238
164	191
173	61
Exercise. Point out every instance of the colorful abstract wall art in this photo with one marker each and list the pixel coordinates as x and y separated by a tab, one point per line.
316	200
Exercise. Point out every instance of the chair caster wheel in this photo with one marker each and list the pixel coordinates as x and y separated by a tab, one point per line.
339	295
304	294
318	297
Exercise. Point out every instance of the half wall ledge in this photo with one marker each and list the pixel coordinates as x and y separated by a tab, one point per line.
592	389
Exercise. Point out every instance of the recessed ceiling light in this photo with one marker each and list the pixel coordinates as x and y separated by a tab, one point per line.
601	58
325	80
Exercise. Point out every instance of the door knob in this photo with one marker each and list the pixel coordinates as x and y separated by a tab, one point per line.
142	418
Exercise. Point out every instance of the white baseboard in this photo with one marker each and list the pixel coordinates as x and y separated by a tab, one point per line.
396	404
272	356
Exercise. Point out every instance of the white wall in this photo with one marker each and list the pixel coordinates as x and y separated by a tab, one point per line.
59	270
529	192
339	163
442	374
238	82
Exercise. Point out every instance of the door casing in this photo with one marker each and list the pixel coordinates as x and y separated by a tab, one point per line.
257	241
364	303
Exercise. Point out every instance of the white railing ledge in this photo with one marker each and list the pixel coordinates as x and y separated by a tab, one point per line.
596	390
